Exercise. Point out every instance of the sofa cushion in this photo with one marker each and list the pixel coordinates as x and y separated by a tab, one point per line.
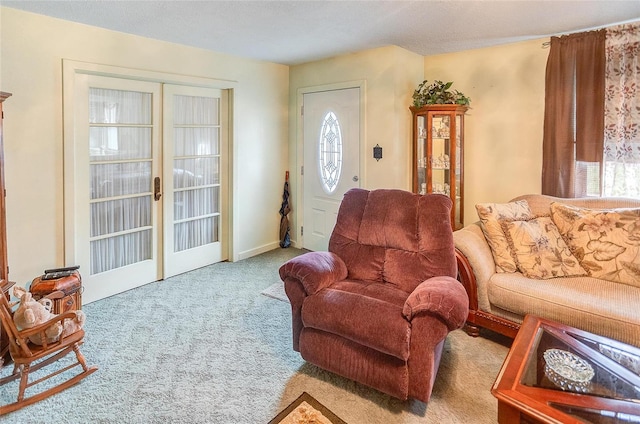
491	214
605	241
540	204
539	250
591	304
353	310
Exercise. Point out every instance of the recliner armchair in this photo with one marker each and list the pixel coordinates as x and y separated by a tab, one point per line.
377	307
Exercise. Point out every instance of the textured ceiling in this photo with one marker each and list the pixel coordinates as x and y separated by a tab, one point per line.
294	32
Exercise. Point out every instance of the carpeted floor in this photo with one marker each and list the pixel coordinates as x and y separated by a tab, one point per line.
208	347
276	291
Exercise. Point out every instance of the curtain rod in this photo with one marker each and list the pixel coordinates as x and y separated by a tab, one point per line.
632	21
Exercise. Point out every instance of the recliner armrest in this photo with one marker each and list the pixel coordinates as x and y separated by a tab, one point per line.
443	297
470	241
314	270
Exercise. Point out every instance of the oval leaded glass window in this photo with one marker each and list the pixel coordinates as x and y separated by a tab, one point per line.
330	152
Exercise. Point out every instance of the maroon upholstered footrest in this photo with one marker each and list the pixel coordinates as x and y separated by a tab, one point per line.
368	321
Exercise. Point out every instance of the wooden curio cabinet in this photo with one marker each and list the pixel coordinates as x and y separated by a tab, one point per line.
438	140
4	268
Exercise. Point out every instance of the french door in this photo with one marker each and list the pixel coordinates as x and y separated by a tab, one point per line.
195	161
148	167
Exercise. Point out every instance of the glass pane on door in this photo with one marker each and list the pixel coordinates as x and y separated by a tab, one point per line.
120	161
196	171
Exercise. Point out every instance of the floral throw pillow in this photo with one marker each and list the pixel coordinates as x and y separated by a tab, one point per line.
605	241
539	250
491	215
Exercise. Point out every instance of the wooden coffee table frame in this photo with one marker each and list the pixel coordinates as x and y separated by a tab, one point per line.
519	403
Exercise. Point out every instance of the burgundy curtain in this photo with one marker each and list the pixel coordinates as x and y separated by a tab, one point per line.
574	110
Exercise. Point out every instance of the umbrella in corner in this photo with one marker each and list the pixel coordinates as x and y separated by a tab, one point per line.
285	238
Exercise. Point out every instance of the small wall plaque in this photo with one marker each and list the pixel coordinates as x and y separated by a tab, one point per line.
377	152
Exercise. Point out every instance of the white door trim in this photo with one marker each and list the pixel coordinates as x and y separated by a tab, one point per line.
362	85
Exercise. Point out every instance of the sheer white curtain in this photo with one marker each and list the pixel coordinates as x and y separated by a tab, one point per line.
622	112
196	171
120	169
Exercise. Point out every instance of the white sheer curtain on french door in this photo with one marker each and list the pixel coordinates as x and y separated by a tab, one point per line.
146	197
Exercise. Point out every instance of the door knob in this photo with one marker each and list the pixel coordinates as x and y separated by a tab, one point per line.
156	189
355	178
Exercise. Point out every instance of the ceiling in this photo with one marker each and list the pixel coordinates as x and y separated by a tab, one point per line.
294	32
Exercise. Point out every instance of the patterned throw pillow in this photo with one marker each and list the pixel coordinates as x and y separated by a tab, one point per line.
491	214
605	241
539	250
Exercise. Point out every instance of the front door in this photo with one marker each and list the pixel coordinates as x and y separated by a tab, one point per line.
331	122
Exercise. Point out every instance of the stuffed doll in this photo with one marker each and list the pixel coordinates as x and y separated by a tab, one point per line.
31	313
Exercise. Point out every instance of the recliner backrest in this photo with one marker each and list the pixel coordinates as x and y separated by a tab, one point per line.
394	236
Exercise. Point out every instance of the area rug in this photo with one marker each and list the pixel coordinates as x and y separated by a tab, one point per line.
306	410
276	291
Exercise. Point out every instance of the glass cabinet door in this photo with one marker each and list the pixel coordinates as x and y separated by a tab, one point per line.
457	165
438	154
421	153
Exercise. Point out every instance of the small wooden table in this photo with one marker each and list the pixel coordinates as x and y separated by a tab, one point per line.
529	392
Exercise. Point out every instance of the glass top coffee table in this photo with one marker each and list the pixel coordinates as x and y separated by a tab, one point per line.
558	374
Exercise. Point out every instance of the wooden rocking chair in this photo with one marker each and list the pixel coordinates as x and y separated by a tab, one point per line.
29	357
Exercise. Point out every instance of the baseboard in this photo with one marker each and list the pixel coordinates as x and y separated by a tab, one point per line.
262	249
258	250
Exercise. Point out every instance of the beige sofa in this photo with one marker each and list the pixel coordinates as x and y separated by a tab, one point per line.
500	300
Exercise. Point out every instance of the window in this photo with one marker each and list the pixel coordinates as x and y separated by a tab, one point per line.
330	152
621	175
592	100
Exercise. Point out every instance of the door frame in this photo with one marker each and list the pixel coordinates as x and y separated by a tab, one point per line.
70	68
362	85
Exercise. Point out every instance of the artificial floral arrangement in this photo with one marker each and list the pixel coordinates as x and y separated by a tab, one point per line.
437	93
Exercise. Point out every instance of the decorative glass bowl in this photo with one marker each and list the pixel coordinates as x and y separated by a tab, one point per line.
567	371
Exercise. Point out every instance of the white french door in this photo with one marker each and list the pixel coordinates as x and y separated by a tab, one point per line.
114	218
147	196
196	161
331	125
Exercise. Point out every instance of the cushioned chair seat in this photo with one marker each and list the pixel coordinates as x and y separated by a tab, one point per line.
355	316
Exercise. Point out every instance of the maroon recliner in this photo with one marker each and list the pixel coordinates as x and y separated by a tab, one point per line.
377	307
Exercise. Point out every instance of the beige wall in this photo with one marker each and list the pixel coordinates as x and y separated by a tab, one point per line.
32	49
390	74
503	129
